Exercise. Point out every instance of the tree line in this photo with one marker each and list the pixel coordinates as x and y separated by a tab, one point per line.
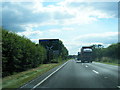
20	54
56	51
109	54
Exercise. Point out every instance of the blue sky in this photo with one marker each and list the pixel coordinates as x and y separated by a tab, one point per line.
77	24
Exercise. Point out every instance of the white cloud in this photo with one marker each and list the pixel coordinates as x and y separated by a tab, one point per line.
24	17
36	12
30	33
106	38
35	40
74	45
100	35
60	0
54	31
67	29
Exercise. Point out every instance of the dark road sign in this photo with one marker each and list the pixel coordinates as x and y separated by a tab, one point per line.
49	44
52	47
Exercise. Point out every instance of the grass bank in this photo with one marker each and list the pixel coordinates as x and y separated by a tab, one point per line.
19	79
109	63
107	60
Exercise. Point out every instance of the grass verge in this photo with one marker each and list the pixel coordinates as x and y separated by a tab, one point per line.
19	79
107	60
109	63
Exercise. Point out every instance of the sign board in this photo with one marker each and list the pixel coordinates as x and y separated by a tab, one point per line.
50	44
56	52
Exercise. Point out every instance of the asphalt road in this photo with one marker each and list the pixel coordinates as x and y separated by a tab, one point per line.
74	74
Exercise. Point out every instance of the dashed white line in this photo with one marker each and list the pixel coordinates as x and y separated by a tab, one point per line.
95	71
48	76
86	66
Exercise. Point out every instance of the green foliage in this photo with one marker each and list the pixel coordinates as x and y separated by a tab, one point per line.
107	54
19	79
63	51
19	53
56	45
109	60
113	51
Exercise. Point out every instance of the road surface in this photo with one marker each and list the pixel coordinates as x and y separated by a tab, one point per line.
74	74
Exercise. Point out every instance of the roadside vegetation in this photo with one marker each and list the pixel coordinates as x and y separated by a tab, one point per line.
19	79
20	54
23	60
109	55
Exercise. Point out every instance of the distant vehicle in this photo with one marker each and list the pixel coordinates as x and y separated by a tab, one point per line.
78	56
86	54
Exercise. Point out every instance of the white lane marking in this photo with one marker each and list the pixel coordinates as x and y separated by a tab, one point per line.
86	66
48	76
118	86
95	71
82	63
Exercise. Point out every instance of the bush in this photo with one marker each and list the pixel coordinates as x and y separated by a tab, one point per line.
109	60
19	53
109	54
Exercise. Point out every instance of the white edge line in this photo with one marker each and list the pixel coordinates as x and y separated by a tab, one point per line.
49	76
95	71
30	82
27	83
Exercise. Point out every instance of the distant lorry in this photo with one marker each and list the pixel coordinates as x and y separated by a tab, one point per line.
86	54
